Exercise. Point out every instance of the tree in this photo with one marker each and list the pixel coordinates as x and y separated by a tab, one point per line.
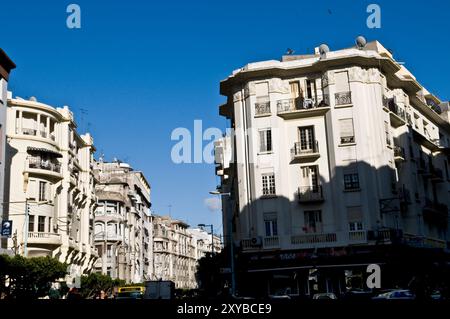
29	277
94	283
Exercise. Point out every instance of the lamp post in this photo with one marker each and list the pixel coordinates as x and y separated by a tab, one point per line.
212	236
231	243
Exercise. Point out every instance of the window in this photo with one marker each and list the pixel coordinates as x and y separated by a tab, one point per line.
354	215
271	226
268	183
41	224
387	131
296	91
49	225
307	141
347	133
31	223
310	178
351	180
265	140
310	89
42	187
313	221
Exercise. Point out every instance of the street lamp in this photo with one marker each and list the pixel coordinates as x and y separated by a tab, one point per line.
230	236
212	236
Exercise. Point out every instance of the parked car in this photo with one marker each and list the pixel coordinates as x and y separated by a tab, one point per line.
324	296
395	295
358	294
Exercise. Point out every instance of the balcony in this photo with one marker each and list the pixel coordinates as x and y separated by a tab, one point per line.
271	242
262	109
313	239
386	236
310	194
302	152
399	153
343	98
397	114
300	108
46	167
435	213
38	238
357	237
29	131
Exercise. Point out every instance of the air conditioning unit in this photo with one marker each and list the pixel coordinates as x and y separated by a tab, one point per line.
256	241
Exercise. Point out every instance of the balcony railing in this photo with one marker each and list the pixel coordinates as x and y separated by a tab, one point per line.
44	238
271	241
310	194
29	131
262	108
298	104
357	236
303	151
313	238
38	163
343	98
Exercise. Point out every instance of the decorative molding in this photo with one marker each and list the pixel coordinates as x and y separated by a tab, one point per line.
277	85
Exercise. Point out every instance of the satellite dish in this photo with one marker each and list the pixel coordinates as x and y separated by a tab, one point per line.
289	51
360	42
33	99
323	49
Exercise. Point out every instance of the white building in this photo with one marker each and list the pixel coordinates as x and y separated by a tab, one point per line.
6	65
49	166
333	151
123	231
177	249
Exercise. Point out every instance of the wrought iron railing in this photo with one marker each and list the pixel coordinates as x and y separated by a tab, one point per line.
36	162
310	193
262	108
343	98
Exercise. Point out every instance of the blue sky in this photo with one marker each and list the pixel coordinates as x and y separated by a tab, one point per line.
141	69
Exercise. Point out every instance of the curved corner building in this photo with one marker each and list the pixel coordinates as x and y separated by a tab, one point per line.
50	180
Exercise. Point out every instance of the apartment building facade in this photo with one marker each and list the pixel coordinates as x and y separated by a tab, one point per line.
6	65
333	155
50	185
177	249
123	232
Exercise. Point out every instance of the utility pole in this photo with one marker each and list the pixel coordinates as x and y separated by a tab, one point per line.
25	240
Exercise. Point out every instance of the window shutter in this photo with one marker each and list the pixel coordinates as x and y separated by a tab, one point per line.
32	189
262	141
262	91
346	127
341	80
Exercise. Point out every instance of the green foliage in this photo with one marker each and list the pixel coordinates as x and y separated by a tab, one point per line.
94	283
29	277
